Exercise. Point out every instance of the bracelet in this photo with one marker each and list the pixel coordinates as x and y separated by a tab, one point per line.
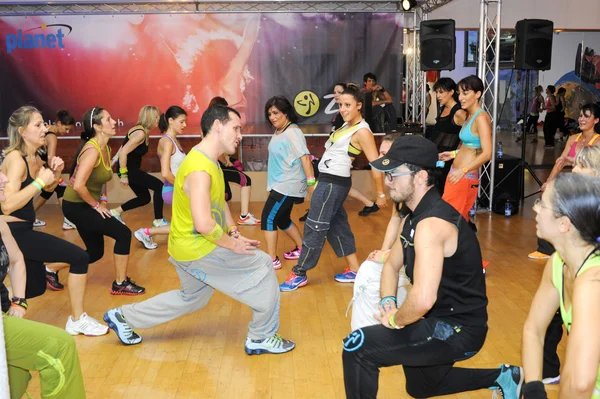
311	182
382	260
387	299
123	176
454	153
97	205
215	234
36	185
103	199
233	232
123	171
22	302
392	323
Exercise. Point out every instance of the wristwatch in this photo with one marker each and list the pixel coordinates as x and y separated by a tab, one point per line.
22	302
382	195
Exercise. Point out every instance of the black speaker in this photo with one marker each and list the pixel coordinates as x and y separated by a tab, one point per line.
438	45
506	178
533	47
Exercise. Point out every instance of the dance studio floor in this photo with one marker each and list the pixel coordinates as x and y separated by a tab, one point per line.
202	355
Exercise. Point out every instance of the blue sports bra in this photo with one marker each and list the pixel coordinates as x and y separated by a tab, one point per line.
467	137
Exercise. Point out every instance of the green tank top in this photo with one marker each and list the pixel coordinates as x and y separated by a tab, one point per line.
101	174
567	315
185	243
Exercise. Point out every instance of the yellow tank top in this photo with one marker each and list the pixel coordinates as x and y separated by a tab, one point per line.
185	243
567	314
101	174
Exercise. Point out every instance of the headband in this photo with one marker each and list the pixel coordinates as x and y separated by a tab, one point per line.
92	118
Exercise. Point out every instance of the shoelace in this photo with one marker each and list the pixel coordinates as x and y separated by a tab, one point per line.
290	278
275	341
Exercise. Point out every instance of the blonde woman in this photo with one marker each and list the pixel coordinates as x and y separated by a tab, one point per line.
135	146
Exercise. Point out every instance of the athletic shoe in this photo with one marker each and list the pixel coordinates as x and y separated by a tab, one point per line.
509	382
145	239
551	380
303	218
347	277
67	225
276	263
538	256
52	281
86	325
39	223
293	254
116	321
293	282
127	287
274	345
248	220
367	210
160	222
117	216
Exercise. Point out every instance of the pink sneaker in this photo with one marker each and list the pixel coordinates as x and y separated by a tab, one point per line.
276	263
293	254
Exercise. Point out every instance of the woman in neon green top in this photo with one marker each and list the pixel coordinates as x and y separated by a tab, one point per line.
568	215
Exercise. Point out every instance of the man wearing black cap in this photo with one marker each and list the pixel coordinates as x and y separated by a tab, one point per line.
444	317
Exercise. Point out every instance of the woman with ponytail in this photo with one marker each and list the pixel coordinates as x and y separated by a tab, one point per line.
63	125
171	154
27	133
568	216
85	200
129	158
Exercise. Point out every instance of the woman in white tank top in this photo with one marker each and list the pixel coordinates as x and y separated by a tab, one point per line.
171	155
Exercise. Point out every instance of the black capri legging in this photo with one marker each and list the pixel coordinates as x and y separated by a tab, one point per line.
140	182
92	228
277	211
39	248
59	190
232	175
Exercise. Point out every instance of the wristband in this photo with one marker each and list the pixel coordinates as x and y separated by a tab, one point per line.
534	390
36	185
215	234
392	323
123	176
97	205
454	153
388	299
22	302
61	182
40	182
382	260
311	182
123	171
233	231
103	199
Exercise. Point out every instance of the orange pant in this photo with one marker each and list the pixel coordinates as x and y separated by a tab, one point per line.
463	194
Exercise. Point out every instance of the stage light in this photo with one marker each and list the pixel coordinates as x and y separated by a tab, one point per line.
408	4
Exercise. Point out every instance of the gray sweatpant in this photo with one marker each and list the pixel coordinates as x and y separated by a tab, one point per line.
249	279
327	218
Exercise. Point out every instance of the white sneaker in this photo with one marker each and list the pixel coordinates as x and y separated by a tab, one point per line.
160	222
274	344
39	223
117	216
145	239
249	220
551	380
86	325
67	225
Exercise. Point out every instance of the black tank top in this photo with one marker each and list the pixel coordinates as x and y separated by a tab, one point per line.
26	212
447	131
134	158
559	107
461	295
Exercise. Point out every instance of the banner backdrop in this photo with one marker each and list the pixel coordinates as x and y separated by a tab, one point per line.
124	62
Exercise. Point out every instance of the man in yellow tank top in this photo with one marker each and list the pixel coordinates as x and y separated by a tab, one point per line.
205	257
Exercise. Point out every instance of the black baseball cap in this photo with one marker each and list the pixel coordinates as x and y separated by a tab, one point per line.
414	150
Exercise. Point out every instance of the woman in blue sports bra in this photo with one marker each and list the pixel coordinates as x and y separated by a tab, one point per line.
568	216
462	182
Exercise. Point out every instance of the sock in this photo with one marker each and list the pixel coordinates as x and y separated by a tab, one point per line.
147	232
243	216
49	271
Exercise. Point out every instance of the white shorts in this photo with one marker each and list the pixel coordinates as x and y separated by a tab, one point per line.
365	302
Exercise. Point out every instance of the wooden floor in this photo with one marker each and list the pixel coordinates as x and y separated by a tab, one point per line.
201	355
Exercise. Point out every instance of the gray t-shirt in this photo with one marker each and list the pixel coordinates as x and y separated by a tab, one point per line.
285	173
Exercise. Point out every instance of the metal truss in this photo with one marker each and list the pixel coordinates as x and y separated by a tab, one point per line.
488	70
414	111
428	6
164	7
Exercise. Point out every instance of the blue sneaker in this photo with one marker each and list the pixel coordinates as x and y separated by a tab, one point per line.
274	344
116	321
509	382
293	282
347	277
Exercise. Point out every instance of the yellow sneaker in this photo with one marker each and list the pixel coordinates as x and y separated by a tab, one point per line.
538	256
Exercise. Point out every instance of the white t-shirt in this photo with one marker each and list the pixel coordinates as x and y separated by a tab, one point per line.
285	173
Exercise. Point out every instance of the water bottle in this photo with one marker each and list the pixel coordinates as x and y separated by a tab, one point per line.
473	210
499	151
508	209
